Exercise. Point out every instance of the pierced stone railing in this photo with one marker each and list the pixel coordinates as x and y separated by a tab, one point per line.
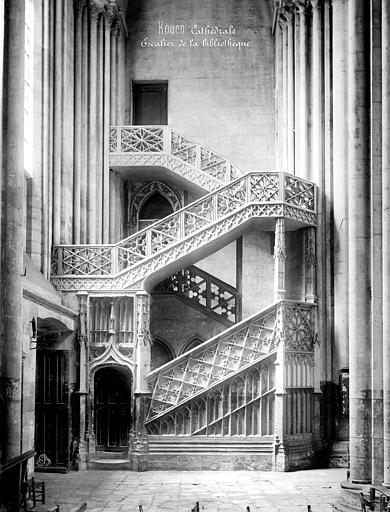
226	385
212	362
204	291
128	263
162	146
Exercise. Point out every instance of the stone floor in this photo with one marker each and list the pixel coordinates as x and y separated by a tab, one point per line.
124	491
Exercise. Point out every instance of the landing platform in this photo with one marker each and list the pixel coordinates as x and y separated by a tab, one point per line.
177	491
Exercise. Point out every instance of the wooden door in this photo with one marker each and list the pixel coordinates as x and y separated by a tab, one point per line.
150	103
52	410
112	408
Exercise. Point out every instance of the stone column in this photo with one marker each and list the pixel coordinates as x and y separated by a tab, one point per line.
84	127
376	242
359	244
386	233
11	256
58	119
120	79
290	93
284	103
108	19
138	447
279	96
46	125
340	189
280	398
79	7
100	128
279	260
303	90
113	99
310	264
92	129
82	392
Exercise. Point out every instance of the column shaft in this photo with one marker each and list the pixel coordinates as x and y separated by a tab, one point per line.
284	130
279	261
120	79
106	132
91	215
99	131
340	189
114	34
303	91
290	95
279	96
359	244
84	129
386	232
77	123
58	120
376	242
11	258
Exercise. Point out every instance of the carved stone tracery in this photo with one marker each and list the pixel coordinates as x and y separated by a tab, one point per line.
146	191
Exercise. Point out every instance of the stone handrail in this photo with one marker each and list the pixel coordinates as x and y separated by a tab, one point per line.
140	145
285	327
214	361
119	266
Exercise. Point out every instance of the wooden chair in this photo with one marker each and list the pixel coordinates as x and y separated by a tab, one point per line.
36	491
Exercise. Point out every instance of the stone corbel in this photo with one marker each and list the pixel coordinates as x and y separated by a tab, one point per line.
301	6
95	11
316	4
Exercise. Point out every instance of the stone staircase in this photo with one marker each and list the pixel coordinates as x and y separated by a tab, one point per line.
219	400
187	235
160	146
227	399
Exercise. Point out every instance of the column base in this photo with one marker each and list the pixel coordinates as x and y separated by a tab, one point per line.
138	451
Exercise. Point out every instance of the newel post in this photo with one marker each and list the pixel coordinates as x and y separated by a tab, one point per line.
280	260
138	441
279	463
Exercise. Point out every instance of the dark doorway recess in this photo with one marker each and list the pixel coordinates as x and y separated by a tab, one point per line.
112	408
150	103
52	411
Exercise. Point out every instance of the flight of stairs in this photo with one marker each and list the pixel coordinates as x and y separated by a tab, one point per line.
220	397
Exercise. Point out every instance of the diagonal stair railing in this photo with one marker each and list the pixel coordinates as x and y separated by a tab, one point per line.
161	146
226	385
203	291
128	263
210	363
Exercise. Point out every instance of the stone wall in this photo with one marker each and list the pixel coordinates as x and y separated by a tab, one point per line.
223	97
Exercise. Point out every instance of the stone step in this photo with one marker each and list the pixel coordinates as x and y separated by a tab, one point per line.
101	454
109	464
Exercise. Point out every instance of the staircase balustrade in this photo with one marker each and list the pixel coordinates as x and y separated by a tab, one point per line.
201	368
203	290
160	145
120	266
226	386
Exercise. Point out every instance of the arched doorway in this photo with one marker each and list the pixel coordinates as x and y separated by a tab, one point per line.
112	408
154	208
